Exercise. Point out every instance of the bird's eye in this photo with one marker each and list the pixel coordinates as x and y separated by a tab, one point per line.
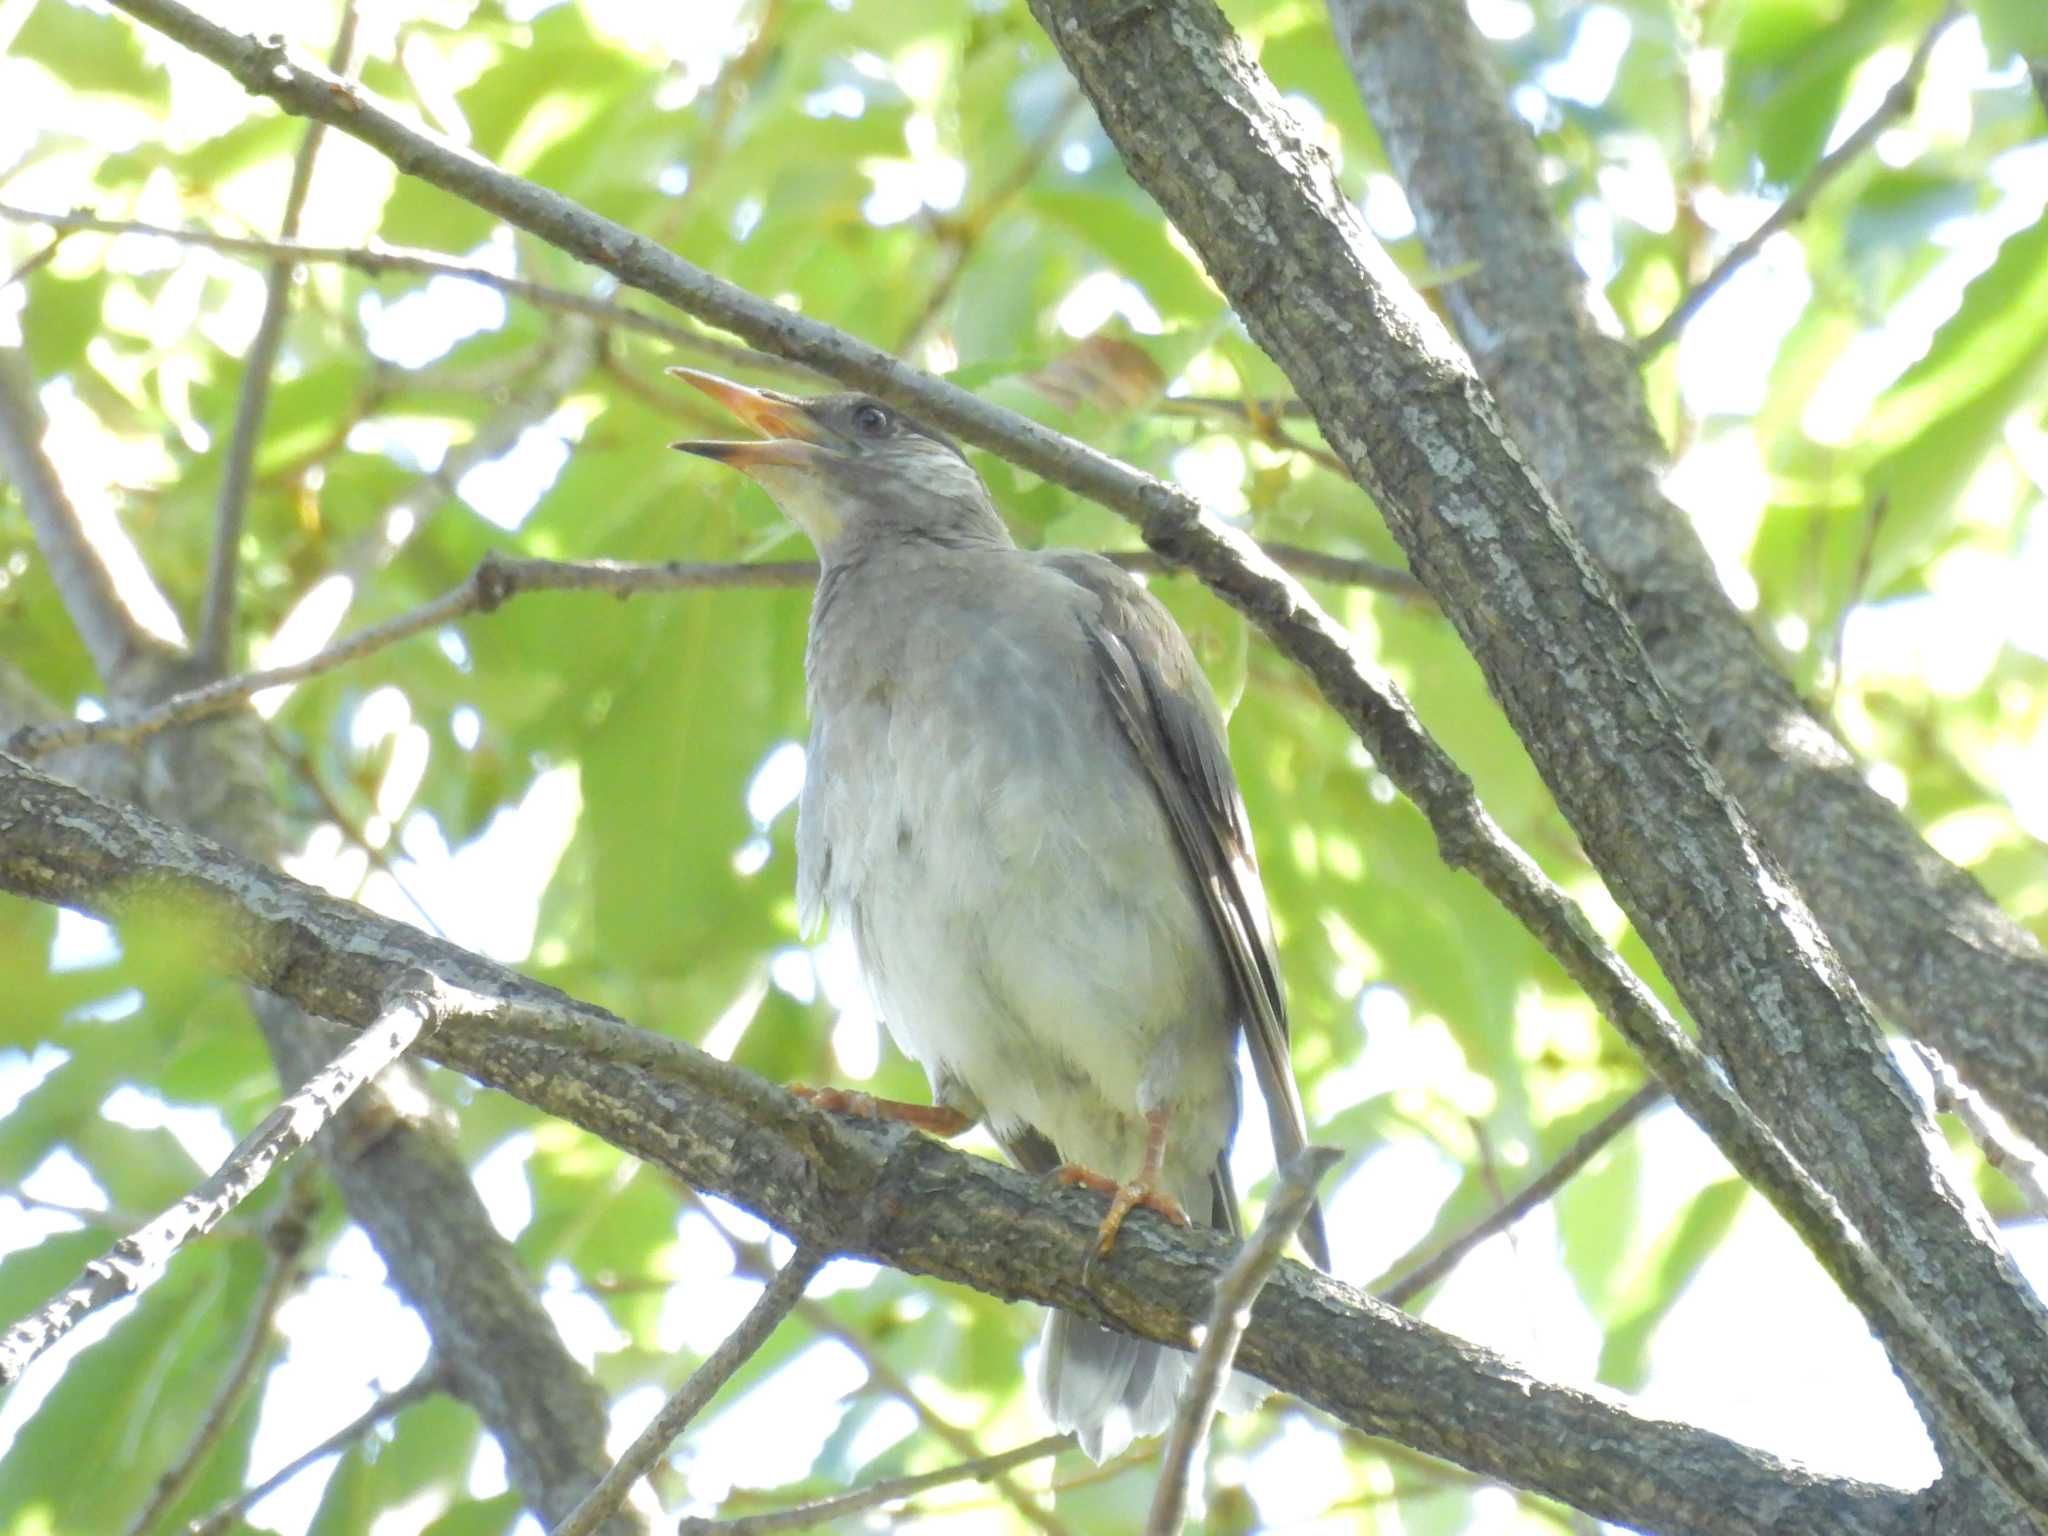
871	420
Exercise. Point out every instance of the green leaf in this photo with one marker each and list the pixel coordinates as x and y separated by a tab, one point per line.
1661	1278
91	51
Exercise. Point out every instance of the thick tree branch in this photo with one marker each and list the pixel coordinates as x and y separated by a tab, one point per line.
886	1194
402	1180
1921	937
1194	117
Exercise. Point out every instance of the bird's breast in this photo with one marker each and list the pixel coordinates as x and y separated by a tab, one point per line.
1015	893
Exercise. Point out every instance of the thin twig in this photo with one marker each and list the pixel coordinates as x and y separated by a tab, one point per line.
1259	415
36	262
754	1259
494	580
1425	1272
1859	588
1238	1288
390	1405
1898	101
109	630
2003	1147
781	1294
803	1517
287	1233
963	234
136	1261
1240	408
308	774
1312	564
498	578
378	260
728	92
217	610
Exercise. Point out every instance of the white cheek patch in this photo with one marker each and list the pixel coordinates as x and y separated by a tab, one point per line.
956	477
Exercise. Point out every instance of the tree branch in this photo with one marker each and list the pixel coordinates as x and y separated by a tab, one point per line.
390	1405
1994	1138
694	1396
885	1194
378	261
138	1260
1898	101
217	611
111	634
1193	115
1229	1316
499	578
1426	1272
286	1234
803	1517
1924	940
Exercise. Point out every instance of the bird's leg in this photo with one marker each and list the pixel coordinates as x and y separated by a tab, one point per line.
1126	1197
933	1119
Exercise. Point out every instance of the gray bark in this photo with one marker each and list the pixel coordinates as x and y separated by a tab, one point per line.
884	1193
1921	937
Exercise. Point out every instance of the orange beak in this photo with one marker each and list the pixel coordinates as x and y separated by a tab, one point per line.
791	435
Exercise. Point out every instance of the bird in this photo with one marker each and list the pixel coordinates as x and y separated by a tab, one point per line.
1018	796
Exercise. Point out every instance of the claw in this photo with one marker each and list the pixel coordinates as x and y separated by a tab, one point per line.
1127	1196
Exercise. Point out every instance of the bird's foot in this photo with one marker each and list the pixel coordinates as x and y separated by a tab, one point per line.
932	1119
1124	1198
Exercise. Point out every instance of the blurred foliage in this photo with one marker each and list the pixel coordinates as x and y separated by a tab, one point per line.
577	784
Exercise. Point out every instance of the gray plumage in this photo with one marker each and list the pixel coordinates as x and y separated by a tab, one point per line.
1019	798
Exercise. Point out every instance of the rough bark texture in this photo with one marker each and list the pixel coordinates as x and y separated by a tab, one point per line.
1201	128
1921	937
1429	425
887	1194
401	1178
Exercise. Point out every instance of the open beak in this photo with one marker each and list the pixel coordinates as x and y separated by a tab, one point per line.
792	436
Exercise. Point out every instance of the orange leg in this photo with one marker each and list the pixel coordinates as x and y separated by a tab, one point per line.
932	1119
1126	1197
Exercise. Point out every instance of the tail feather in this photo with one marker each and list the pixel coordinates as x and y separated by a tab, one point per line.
1109	1389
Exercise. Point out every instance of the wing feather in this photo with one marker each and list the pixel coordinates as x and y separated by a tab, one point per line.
1161	700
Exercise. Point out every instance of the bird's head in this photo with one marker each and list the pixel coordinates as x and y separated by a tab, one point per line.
849	467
